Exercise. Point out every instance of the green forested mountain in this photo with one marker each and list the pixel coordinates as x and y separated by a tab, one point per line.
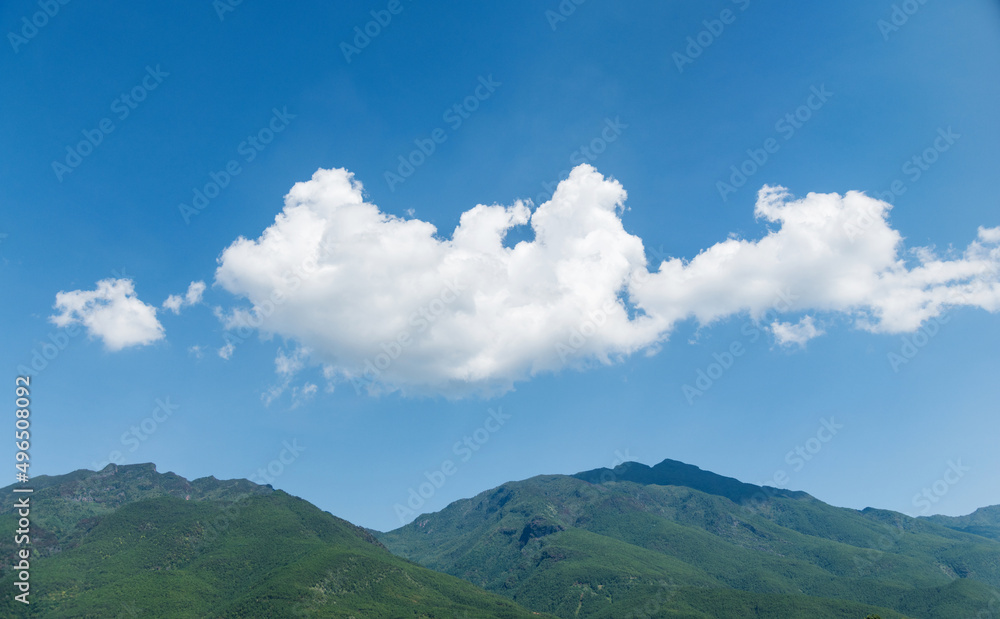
985	521
636	541
675	541
129	542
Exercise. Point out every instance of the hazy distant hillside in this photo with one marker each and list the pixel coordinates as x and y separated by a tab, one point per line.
675	539
128	541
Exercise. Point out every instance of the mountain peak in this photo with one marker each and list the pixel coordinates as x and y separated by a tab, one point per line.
675	473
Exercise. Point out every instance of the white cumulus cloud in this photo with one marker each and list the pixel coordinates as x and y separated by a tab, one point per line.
826	261
786	333
389	303
111	312
175	302
989	235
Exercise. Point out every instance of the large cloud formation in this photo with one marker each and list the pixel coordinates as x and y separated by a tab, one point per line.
386	303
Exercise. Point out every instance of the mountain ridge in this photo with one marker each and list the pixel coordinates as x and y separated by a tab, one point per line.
634	540
128	540
675	473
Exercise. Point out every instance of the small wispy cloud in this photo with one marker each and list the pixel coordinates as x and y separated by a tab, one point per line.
286	366
194	293
788	334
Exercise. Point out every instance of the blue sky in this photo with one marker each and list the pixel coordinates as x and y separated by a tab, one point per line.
620	87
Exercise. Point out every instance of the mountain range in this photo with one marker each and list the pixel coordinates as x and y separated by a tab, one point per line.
669	540
127	542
